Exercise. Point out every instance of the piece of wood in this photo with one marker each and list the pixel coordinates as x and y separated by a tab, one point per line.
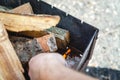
25	48
10	66
23	9
17	22
62	36
48	43
33	34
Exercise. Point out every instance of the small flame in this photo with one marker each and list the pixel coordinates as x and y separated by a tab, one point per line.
66	53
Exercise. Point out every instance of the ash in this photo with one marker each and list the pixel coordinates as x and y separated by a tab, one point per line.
73	61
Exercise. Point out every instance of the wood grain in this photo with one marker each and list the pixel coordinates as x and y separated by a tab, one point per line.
17	22
10	66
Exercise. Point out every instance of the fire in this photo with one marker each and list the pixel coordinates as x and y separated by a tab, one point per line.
66	53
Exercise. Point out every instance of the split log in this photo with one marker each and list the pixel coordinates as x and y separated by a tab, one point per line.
16	22
62	36
23	9
48	43
10	66
26	48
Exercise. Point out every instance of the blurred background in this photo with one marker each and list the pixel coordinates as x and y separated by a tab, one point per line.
105	15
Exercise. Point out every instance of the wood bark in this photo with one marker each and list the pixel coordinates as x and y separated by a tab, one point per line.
62	36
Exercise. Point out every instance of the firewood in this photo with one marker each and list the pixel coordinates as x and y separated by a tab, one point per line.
10	66
23	9
16	22
62	36
48	43
26	48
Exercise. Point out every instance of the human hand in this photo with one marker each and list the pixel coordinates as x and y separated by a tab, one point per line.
41	65
51	66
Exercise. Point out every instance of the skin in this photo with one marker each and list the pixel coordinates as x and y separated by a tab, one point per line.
52	66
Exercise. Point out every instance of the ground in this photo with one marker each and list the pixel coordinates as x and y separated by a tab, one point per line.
105	15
